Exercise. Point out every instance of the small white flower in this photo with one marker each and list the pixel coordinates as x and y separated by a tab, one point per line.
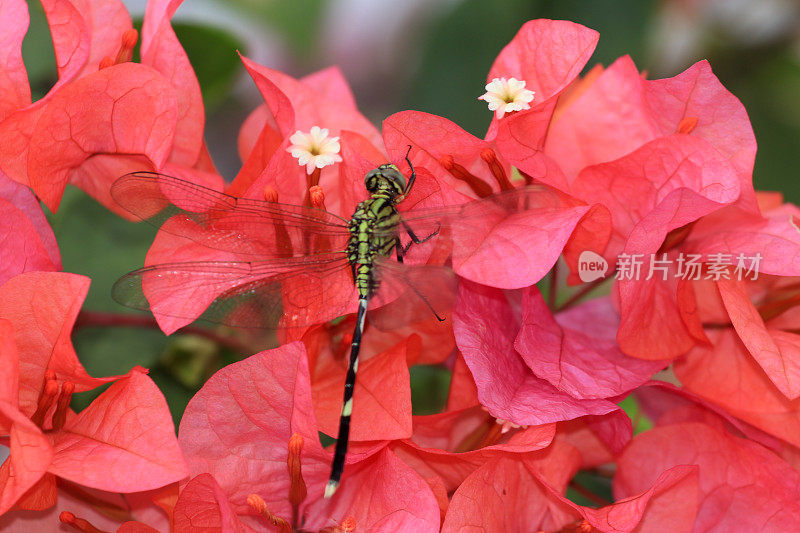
314	149
507	95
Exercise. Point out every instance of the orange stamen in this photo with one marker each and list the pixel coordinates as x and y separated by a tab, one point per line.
297	487
106	62
348	525
78	523
281	233
687	125
270	194
111	510
46	400
474	439
313	178
258	504
499	173
478	186
316	197
492	436
125	52
60	416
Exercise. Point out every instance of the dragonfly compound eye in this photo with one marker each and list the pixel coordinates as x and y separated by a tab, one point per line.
385	178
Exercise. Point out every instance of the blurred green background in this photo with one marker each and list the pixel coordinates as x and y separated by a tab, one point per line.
422	54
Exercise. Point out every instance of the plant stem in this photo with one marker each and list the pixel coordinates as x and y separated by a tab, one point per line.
580	293
98	319
589	495
553	292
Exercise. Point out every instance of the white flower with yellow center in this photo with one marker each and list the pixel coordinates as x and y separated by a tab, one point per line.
314	149
507	95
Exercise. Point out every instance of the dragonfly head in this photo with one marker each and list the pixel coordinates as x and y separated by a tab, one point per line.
386	179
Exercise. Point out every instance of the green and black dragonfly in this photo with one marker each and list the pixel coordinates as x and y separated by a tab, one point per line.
264	264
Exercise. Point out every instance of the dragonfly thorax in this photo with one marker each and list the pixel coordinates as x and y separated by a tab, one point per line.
386	180
373	230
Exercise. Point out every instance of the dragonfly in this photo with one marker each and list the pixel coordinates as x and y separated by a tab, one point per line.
264	264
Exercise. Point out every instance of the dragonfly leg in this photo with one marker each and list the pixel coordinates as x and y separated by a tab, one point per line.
400	249
414	238
413	176
428	303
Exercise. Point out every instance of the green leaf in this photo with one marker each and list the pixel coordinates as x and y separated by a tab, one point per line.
429	386
38	54
637	416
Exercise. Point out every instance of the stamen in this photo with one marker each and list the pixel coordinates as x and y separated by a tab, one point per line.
297	488
60	416
281	233
125	53
111	510
45	401
343	346
348	525
492	436
270	194
499	173
316	197
78	523
474	439
106	62
313	178
478	186
487	434
687	125
340	338
258	504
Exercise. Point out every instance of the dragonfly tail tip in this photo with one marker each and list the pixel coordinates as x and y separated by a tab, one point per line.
330	488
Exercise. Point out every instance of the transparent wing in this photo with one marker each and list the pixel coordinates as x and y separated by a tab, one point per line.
426	221
223	222
284	293
410	293
510	231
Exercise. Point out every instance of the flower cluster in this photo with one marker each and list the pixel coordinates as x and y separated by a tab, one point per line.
609	163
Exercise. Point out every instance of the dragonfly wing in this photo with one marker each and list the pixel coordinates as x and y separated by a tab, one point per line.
226	223
507	240
258	294
410	293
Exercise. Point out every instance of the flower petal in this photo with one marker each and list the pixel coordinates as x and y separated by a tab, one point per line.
123	442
